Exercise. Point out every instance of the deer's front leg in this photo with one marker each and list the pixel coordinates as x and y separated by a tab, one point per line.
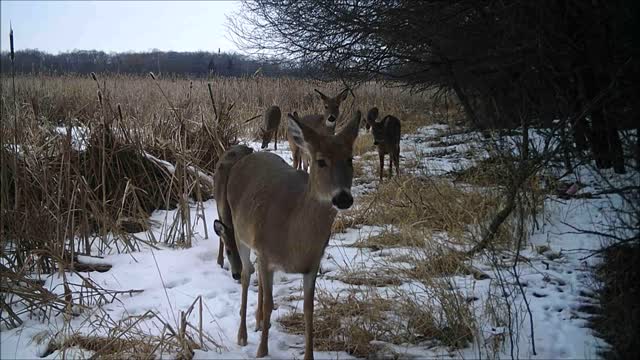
381	155
295	153
390	164
309	284
276	140
266	282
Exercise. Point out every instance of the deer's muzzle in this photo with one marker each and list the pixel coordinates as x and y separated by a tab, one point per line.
343	200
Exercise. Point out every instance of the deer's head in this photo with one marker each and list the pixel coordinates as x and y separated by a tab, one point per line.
331	106
230	248
331	156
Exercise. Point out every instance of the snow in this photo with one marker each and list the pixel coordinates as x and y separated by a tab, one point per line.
557	281
79	136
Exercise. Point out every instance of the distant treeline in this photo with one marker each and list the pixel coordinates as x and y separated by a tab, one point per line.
198	63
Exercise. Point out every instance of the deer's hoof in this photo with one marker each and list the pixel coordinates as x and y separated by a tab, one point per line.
262	351
242	338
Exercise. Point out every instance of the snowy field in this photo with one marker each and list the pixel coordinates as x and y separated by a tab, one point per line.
557	280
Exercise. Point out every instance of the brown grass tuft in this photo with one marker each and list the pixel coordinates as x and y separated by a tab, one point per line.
432	204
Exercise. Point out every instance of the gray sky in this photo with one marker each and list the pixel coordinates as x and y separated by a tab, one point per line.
56	26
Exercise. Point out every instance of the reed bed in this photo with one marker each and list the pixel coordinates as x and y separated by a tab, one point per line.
86	159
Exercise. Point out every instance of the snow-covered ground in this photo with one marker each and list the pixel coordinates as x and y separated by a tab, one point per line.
557	281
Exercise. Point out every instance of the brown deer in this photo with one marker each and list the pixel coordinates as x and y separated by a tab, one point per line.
224	226
324	124
386	136
286	215
270	125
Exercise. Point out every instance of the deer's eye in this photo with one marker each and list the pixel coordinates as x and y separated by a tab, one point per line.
326	106
322	163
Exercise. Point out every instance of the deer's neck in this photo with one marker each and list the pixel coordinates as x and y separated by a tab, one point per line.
314	216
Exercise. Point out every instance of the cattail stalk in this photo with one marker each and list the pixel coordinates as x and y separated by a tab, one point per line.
12	54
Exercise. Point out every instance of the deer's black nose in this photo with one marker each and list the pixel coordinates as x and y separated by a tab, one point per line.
236	276
343	200
331	118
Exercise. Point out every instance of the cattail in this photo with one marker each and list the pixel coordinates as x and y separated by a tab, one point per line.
152	76
94	77
13	54
120	112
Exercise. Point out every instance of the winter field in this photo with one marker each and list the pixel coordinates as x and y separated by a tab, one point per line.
391	283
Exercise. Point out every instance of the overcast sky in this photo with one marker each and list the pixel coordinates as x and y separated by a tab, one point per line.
57	26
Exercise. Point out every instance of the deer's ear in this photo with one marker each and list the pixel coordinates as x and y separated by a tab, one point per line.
220	229
343	95
350	132
302	135
322	96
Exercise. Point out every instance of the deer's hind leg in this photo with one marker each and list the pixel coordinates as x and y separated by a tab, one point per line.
266	282
259	309
247	270
396	155
391	155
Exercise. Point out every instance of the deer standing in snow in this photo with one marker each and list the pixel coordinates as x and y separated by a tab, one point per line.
285	216
270	125
324	124
386	136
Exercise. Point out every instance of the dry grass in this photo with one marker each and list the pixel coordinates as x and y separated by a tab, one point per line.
133	337
149	143
358	322
414	202
363	144
494	171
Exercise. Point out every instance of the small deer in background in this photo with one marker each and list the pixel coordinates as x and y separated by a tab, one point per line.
270	125
286	215
386	136
224	225
324	124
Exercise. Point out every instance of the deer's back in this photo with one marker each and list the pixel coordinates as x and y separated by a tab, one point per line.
391	130
263	189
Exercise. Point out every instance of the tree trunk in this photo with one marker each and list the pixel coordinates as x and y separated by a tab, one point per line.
615	147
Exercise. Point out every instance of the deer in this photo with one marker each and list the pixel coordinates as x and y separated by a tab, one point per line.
285	216
329	119
270	125
223	226
386	136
